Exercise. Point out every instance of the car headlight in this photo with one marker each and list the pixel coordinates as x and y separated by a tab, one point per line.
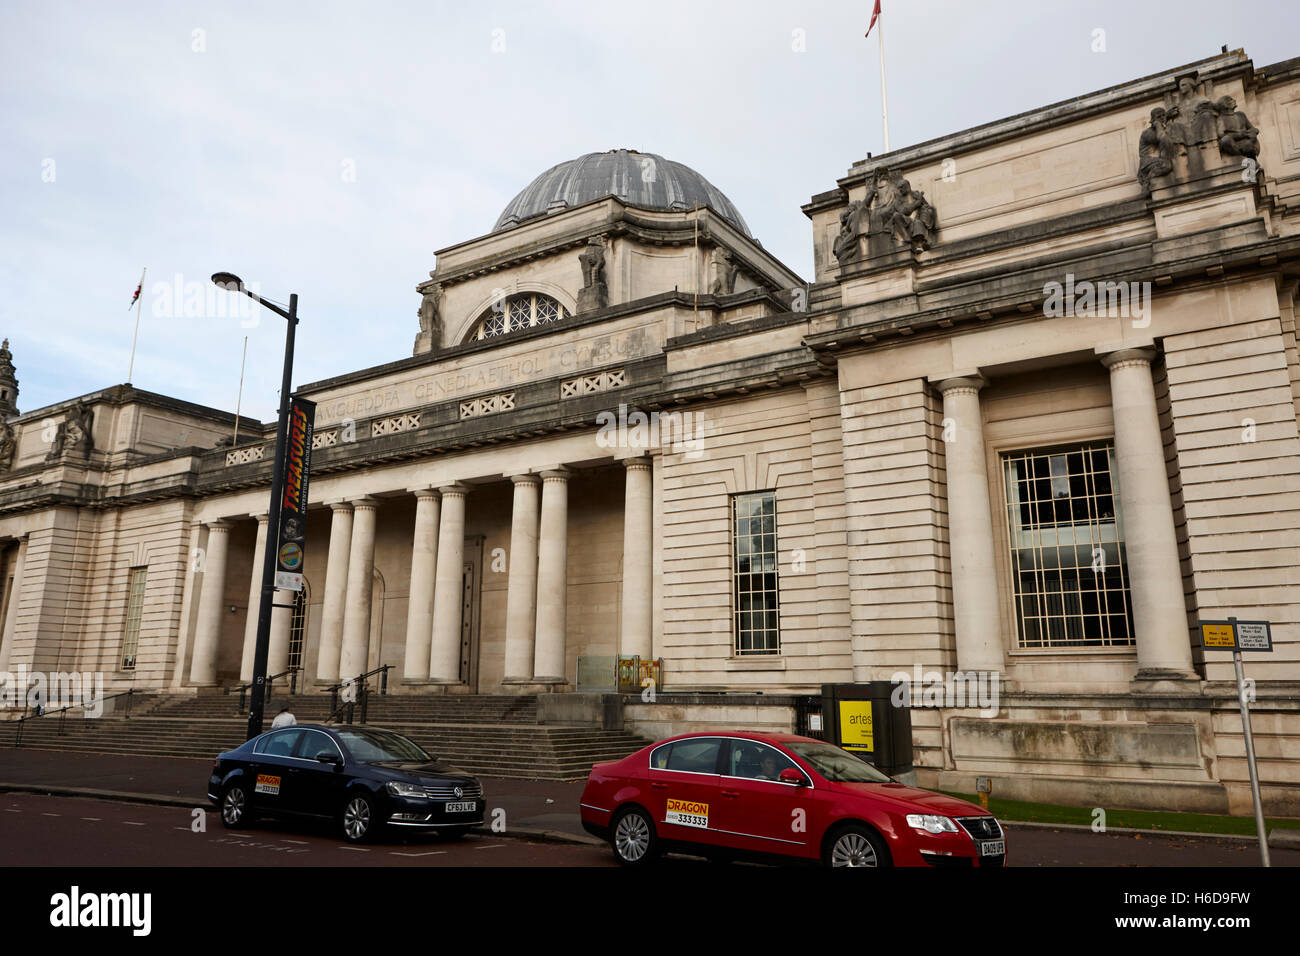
930	823
399	789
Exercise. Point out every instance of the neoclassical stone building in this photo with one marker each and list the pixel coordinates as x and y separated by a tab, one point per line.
1035	414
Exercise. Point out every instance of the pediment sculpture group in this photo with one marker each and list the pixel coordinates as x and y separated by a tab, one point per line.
892	214
1189	121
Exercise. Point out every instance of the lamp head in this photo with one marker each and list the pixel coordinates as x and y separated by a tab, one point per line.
228	281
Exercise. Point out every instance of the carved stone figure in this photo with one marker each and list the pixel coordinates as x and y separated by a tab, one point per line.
73	436
430	313
1155	150
595	293
724	271
846	243
891	214
1238	137
8	446
1186	127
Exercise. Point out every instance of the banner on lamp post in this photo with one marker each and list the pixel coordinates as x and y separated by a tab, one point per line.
291	536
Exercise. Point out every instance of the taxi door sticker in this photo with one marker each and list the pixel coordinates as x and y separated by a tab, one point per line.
267	784
688	813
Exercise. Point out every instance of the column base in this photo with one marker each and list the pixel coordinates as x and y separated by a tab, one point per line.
1166	680
523	686
550	685
442	686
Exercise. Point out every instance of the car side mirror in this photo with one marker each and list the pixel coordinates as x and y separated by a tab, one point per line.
790	775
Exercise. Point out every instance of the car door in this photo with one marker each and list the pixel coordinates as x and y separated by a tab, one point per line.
275	772
684	788
761	813
318	786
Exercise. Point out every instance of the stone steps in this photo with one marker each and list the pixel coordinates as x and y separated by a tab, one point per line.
463	734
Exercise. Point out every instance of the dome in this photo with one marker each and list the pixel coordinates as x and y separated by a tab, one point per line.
639	179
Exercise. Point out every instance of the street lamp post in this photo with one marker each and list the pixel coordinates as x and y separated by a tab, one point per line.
233	283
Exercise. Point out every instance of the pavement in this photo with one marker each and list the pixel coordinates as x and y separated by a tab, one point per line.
534	809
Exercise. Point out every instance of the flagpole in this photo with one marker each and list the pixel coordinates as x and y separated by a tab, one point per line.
884	101
240	397
139	302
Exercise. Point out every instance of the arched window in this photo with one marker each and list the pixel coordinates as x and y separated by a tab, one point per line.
520	311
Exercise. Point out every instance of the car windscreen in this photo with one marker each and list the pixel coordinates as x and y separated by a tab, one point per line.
835	764
369	745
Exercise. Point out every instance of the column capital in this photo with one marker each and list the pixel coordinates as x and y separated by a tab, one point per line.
559	473
424	492
261	518
1127	357
339	505
641	461
364	502
966	381
455	489
525	479
219	524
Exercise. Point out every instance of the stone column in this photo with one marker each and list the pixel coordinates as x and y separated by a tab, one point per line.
11	615
336	586
254	602
1147	517
361	571
977	618
203	663
419	612
638	531
444	656
521	588
552	578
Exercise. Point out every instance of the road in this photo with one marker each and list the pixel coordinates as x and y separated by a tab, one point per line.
38	830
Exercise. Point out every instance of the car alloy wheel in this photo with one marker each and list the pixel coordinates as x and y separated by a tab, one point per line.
233	807
358	819
634	841
856	846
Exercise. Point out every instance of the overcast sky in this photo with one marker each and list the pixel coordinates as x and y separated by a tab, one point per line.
329	148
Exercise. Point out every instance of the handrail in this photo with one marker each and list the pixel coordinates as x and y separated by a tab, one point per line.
349	706
245	688
360	682
62	712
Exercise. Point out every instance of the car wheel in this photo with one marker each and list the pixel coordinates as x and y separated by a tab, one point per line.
633	838
855	846
360	820
234	807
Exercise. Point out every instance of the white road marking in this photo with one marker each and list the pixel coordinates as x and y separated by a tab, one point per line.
50	814
8	810
490	846
132	824
92	819
300	842
359	849
426	853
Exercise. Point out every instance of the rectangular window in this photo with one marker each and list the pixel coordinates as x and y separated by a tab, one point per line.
134	608
754	575
1068	562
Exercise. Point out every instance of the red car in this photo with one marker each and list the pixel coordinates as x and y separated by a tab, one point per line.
778	796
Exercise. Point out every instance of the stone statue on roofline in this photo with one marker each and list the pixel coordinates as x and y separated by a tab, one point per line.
73	435
595	293
890	215
430	313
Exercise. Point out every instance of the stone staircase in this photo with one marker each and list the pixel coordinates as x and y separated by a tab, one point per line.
494	736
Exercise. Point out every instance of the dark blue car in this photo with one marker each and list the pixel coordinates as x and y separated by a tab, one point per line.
362	778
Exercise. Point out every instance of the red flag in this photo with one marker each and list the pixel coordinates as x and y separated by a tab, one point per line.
137	293
875	15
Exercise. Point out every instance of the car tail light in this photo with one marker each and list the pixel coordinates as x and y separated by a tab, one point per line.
216	763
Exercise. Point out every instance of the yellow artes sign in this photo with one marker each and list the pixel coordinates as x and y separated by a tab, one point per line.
855	725
1218	635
